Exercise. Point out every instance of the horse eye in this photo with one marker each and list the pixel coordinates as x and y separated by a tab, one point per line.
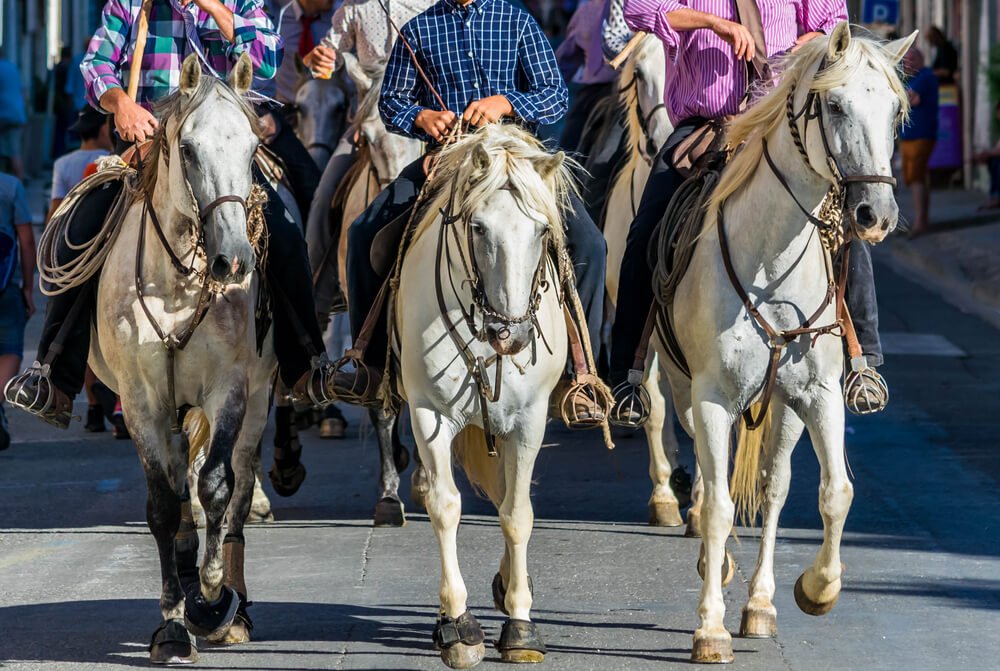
478	228
835	107
186	152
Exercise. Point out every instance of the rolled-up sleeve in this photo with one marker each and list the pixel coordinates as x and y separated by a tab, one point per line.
547	97
821	16
650	16
399	100
101	66
254	35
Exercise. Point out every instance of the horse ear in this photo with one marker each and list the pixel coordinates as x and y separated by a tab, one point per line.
840	39
241	78
547	167
362	82
480	160
190	75
898	48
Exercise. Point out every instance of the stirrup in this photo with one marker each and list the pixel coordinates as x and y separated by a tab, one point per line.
632	402
581	403
27	392
317	391
356	382
865	391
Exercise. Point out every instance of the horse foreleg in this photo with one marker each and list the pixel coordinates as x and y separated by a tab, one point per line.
389	508
818	588
693	529
519	639
759	615
211	609
664	508
713	423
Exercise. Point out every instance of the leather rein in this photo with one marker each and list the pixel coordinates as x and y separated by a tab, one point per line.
175	342
449	236
832	230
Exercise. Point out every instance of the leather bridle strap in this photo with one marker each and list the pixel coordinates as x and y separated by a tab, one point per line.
204	212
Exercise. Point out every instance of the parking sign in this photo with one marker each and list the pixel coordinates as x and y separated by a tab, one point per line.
880	11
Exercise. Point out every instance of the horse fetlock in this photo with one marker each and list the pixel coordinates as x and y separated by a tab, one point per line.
815	594
206	618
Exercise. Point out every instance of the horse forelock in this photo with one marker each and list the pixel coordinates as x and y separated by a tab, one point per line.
748	130
173	110
513	155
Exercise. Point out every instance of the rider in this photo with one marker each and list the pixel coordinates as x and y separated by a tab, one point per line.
220	31
490	62
696	34
360	27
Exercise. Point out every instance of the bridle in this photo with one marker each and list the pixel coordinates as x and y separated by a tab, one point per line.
449	244
830	224
644	119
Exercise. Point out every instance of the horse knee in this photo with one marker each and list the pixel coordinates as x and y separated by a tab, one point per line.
516	526
836	498
444	507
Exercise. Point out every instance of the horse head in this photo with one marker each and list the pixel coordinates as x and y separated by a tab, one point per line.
641	87
210	134
390	152
508	191
321	108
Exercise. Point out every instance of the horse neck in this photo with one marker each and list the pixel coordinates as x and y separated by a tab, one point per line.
157	267
769	247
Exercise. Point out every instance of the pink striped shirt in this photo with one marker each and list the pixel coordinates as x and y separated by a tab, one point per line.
703	77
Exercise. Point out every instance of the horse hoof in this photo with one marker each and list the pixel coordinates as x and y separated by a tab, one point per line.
238	632
389	513
257	517
520	643
172	644
287	481
811	607
693	529
333	428
714	648
728	566
462	656
210	620
665	514
759	622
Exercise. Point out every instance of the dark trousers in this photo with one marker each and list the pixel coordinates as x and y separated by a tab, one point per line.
635	291
994	177
303	173
579	111
585	244
296	334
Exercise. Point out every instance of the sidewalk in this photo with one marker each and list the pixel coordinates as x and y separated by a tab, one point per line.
959	258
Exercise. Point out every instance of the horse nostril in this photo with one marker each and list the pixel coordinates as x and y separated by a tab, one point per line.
221	267
865	216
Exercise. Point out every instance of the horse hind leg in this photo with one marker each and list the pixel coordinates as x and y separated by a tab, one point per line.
664	508
419	484
260	506
389	508
759	615
818	588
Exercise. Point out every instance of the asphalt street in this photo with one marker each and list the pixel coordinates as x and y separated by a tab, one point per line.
79	578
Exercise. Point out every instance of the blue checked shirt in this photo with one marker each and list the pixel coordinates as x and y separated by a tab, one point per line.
486	48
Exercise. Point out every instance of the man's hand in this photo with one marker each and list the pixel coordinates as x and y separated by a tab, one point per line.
133	122
487	110
805	37
219	12
736	35
436	124
321	60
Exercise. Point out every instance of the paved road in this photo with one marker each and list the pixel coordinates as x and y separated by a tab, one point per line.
79	577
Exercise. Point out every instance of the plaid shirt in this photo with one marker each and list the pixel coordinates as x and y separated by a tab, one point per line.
174	32
486	48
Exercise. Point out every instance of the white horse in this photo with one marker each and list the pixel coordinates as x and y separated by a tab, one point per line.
844	98
641	92
502	192
196	184
321	107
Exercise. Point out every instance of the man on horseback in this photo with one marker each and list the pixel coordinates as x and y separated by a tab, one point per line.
696	34
219	32
360	27
490	63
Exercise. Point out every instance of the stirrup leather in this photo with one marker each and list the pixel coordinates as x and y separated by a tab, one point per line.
631	402
865	391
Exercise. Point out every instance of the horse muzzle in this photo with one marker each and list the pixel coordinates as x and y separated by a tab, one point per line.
873	219
226	269
507	338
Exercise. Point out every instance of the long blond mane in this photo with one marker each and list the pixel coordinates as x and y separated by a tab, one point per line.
749	129
628	98
513	154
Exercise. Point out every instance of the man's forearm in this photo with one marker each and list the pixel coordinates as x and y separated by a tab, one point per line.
112	98
223	18
683	20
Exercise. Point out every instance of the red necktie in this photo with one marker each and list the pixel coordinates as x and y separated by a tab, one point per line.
306	42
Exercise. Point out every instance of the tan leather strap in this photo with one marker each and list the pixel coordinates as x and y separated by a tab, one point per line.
748	15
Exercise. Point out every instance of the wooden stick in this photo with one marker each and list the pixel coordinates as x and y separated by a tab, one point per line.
627	51
139	51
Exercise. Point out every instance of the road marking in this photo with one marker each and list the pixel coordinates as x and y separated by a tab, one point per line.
919	344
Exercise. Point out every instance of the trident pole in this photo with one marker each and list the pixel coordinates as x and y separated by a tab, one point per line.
139	51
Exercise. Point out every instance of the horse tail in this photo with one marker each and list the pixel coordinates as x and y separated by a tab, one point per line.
746	486
198	432
485	473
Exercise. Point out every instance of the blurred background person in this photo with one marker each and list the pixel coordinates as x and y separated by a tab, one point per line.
63	107
918	136
17	282
13	117
945	63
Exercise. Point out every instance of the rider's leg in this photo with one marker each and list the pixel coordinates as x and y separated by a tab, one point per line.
865	391
68	359
579	112
589	252
323	235
303	174
364	283
635	292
